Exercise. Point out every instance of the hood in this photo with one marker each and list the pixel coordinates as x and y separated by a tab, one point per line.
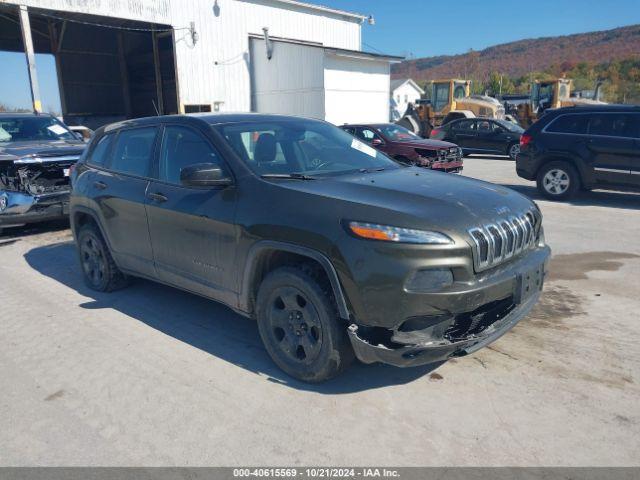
428	144
417	198
48	149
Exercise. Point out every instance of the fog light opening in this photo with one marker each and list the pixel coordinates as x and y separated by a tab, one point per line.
429	280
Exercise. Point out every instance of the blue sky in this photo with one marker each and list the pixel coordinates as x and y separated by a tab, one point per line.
404	27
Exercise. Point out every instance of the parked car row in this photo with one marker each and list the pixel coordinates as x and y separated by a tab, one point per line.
338	241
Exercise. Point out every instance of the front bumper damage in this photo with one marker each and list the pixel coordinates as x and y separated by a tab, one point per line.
18	208
457	334
423	352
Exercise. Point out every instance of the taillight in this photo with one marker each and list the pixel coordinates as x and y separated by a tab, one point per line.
434	132
525	139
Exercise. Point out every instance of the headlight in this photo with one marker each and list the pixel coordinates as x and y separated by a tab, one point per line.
386	233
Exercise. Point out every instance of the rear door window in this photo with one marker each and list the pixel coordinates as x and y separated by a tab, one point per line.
573	124
613	125
133	151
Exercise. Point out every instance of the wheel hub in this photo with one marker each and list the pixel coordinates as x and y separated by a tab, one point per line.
295	325
556	181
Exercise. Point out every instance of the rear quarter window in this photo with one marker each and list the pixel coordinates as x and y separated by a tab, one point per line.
569	123
99	154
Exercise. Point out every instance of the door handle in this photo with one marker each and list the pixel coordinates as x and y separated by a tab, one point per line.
157	197
100	185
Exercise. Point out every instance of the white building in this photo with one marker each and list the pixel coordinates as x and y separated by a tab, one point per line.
129	58
403	92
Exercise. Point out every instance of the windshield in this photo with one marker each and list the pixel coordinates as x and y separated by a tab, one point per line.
25	129
300	146
512	127
397	133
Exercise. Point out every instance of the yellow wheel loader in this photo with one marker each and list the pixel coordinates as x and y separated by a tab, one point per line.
450	99
551	94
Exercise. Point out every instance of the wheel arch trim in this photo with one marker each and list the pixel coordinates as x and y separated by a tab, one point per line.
261	247
87	211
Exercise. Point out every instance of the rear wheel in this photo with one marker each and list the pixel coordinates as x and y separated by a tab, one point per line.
513	150
299	325
99	270
558	180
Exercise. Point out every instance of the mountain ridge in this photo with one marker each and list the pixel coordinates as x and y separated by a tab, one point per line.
521	57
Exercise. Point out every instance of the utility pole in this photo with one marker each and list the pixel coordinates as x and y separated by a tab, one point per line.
27	41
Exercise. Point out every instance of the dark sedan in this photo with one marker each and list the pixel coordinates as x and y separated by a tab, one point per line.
407	147
482	135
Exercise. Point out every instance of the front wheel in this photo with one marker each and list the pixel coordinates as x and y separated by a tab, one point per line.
558	180
299	325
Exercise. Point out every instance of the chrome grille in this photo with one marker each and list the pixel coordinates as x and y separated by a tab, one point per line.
495	243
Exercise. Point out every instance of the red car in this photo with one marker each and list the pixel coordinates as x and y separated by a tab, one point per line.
407	147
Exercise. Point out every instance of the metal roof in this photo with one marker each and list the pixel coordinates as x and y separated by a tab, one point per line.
322	8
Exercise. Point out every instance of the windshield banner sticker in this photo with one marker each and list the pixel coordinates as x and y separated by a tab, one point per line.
364	148
57	129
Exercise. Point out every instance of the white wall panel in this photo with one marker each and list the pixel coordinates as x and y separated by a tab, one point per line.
291	82
356	90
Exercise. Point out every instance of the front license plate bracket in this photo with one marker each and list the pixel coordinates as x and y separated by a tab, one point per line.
529	283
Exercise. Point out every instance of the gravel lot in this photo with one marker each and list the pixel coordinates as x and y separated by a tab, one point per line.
155	376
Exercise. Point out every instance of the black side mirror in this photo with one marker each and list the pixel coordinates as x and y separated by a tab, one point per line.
204	175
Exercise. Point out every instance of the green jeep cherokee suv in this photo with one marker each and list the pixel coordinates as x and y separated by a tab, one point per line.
336	250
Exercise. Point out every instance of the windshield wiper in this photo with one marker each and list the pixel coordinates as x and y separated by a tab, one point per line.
370	170
293	176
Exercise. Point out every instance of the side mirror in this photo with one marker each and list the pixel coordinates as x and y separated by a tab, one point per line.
204	175
376	142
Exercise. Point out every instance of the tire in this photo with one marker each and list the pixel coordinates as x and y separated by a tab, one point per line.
558	180
99	271
513	150
299	325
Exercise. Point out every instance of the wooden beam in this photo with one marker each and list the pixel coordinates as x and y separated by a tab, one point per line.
124	77
156	66
27	41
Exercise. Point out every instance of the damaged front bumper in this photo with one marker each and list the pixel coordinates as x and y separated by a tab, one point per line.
509	295
437	351
18	208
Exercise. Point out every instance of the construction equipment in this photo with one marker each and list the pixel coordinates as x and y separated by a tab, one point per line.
450	99
554	93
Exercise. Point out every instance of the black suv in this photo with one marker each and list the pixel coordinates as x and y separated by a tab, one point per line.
582	147
333	247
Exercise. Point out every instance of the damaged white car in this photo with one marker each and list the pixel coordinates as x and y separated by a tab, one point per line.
37	152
